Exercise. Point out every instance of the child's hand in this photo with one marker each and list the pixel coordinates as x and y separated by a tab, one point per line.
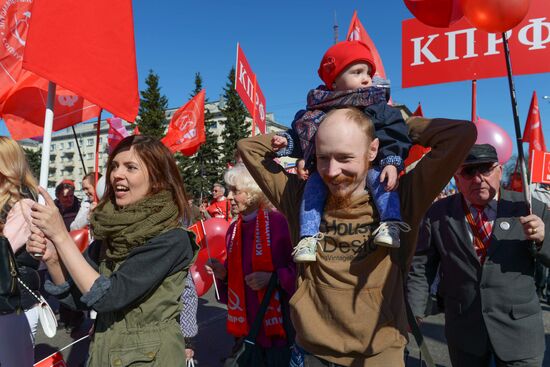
390	173
278	143
301	169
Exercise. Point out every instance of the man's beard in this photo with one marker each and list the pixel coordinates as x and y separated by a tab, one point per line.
340	198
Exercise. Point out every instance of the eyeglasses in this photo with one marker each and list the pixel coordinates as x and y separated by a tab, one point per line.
484	170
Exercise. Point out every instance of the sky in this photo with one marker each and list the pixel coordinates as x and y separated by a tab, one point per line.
284	41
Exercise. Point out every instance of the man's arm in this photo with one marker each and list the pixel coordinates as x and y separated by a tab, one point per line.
423	270
282	189
450	141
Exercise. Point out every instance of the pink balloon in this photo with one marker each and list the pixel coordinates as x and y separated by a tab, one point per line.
490	133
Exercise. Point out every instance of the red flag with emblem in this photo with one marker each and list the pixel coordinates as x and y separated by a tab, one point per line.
533	127
24	108
93	45
186	129
357	32
418	111
14	25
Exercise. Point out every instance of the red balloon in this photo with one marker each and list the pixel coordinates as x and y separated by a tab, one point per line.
490	133
80	237
495	16
215	229
435	13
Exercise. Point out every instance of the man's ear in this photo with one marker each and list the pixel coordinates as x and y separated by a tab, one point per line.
373	149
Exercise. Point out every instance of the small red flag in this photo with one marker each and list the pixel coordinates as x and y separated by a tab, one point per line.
533	127
136	131
357	32
55	360
417	151
117	132
418	111
88	48
186	129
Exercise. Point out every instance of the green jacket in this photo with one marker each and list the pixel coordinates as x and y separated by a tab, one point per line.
138	302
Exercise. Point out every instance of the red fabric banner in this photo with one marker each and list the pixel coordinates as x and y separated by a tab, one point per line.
88	48
533	127
186	129
462	52
55	360
246	85
357	32
25	107
14	25
540	167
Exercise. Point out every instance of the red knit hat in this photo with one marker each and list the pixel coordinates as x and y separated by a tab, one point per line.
340	56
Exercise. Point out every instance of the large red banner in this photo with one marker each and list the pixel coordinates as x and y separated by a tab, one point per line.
462	52
249	90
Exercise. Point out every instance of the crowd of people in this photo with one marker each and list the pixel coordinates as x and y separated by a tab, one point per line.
322	268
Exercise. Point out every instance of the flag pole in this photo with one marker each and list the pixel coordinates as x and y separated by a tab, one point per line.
209	258
47	139
79	151
474	100
521	157
98	133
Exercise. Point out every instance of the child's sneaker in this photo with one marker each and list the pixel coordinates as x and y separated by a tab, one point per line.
306	250
387	233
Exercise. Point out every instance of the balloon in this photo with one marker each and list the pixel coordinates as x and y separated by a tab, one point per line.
100	188
435	13
215	229
495	16
490	133
80	237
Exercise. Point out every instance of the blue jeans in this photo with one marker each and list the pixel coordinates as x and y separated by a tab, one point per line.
315	196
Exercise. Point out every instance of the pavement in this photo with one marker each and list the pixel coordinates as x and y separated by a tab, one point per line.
213	343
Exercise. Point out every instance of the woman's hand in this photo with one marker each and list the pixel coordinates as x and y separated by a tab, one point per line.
257	280
213	266
48	219
39	244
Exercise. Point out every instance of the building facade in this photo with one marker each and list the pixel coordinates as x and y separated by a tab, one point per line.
66	162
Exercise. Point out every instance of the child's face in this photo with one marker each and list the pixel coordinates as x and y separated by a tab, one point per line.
354	77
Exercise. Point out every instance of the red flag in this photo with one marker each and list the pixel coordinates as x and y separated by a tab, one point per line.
117	132
25	106
14	24
540	167
418	111
357	32
533	127
55	360
417	151
186	130
136	131
88	48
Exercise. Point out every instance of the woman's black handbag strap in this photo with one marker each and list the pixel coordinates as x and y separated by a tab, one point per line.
255	328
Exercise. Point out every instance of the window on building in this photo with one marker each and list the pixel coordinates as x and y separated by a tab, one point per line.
90	142
80	171
52	147
61	146
89	155
70	144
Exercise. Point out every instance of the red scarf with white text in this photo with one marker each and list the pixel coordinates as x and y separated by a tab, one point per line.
237	323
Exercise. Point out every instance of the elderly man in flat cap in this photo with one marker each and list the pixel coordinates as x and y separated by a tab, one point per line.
485	243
